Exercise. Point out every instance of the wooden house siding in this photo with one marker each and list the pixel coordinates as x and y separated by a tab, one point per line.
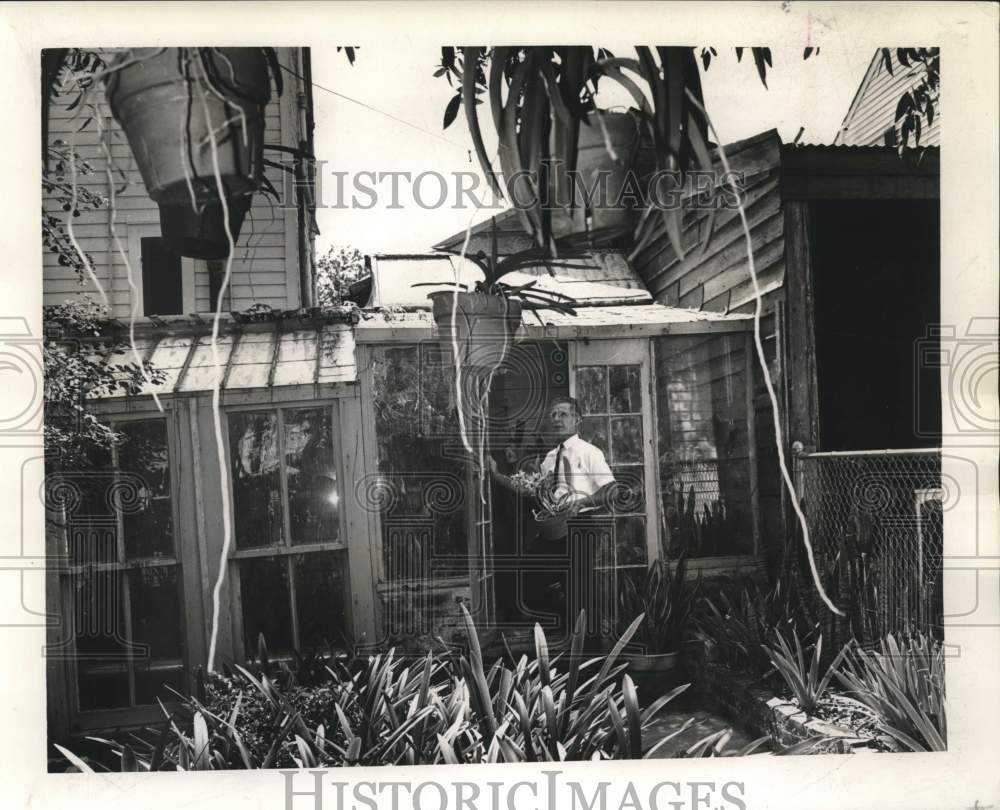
714	274
265	267
873	109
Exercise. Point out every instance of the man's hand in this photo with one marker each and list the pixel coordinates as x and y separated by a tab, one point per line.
568	506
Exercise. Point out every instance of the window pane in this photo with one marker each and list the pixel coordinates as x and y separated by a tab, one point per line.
592	389
91	525
142	492
625	390
420	493
320	590
266	602
156	624
311	474
630	541
99	632
92	541
594	429
256	470
626	439
630	489
702	444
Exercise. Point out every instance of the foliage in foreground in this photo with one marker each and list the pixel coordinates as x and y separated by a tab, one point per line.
903	682
741	619
801	676
446	709
665	600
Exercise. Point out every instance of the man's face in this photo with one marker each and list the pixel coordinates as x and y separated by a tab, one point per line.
563	420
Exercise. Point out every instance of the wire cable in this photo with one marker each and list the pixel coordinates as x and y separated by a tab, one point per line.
367	106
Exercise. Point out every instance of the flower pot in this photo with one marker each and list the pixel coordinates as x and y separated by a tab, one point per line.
485	326
168	101
605	156
649	664
202	234
552	528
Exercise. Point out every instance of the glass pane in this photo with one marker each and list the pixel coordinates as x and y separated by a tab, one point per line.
625	389
255	472
407	546
84	494
630	489
103	684
142	493
630	541
702	444
420	493
320	591
101	648
156	624
311	473
594	429
155	679
592	389
626	439
266	602
92	541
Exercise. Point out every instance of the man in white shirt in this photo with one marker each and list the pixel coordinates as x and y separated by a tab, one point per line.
583	481
580	472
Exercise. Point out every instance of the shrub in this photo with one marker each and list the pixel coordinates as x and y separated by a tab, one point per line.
741	617
802	678
385	710
903	682
666	600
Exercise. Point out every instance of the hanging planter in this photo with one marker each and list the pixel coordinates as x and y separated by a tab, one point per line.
202	234
485	326
173	103
605	154
543	107
486	319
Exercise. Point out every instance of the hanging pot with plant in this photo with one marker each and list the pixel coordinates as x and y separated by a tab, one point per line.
543	105
194	118
482	323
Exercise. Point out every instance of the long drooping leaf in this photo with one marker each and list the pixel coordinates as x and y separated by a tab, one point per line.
472	116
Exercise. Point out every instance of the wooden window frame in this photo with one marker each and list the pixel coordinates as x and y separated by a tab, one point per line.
730	562
637	352
132	715
286	551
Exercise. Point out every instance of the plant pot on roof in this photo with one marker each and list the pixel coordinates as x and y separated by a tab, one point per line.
486	318
186	111
543	105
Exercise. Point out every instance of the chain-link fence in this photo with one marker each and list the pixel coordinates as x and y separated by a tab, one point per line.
875	522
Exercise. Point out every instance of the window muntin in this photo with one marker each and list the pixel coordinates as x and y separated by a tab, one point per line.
290	560
703	444
610	398
124	578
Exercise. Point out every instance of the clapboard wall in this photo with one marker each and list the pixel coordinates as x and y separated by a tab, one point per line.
714	273
873	109
266	263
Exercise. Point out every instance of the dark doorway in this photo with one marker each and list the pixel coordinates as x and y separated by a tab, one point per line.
877	276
